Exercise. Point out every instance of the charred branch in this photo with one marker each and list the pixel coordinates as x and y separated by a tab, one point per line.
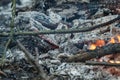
32	61
85	29
101	63
99	52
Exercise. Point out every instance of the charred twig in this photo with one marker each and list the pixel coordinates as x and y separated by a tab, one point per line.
85	29
101	63
32	61
84	56
3	74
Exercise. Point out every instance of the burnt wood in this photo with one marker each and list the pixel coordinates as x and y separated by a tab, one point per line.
98	52
101	63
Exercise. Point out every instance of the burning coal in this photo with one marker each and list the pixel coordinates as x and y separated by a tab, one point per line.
115	58
100	43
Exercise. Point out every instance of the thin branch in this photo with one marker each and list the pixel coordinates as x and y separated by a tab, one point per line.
11	28
85	29
32	61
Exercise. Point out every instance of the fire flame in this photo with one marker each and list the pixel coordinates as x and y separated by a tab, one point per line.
100	43
112	40
113	61
92	47
118	37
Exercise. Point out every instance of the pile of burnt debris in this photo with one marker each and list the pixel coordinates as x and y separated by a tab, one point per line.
60	40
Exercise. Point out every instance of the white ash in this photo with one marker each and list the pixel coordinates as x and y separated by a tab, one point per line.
55	18
36	24
68	47
94	21
81	71
26	2
55	62
9	55
54	53
15	54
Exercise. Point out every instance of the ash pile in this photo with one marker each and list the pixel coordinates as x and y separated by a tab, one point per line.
50	17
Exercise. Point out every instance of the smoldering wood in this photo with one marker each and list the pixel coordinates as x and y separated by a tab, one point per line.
101	63
84	29
98	52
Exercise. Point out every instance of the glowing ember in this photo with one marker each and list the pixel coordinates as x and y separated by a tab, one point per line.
112	40
113	61
118	62
112	58
92	47
118	37
100	43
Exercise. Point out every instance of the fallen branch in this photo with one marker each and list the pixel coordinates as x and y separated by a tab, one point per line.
3	74
85	29
101	63
84	56
32	61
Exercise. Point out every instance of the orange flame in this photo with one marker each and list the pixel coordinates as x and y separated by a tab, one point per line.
118	37
100	43
112	40
92	47
112	61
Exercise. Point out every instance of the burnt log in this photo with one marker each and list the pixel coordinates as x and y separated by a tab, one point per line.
98	52
101	63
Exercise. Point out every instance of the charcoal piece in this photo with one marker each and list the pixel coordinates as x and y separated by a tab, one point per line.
4	2
49	3
75	16
32	42
12	44
79	45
